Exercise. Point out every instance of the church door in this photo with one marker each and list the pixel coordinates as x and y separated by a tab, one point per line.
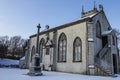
48	58
114	63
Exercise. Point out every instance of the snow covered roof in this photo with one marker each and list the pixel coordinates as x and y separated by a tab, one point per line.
106	32
23	58
49	43
90	16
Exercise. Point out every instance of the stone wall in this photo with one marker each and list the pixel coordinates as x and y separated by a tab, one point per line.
78	30
71	32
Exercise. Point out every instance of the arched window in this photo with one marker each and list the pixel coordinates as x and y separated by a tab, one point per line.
98	29
32	52
77	50
62	48
41	46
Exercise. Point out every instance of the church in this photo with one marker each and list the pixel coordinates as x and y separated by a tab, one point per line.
85	46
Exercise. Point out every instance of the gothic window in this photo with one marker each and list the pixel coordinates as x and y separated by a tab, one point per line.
62	48
41	47
98	29
32	52
77	50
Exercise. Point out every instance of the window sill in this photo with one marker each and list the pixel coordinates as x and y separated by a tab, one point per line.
77	61
99	37
61	61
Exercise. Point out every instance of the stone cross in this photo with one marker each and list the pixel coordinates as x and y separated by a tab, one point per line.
35	69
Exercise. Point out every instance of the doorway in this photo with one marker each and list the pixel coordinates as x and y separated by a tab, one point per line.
104	41
114	63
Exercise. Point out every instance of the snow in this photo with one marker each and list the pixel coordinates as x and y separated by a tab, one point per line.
21	74
48	43
23	58
91	66
90	16
106	32
9	62
90	39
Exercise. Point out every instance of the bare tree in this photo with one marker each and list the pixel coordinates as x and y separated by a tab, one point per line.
4	42
16	43
12	47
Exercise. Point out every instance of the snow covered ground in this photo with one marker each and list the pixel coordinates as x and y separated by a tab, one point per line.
9	62
20	74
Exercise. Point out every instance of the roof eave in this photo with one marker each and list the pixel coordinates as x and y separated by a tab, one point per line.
61	26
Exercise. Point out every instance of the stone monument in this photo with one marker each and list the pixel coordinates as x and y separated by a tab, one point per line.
35	68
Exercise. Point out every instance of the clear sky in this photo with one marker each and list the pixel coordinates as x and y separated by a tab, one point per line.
20	17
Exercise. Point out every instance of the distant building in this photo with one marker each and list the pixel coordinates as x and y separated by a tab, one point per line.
86	46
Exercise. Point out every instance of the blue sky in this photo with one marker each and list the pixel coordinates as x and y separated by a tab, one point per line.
20	17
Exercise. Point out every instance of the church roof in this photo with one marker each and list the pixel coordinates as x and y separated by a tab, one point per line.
62	26
86	16
84	19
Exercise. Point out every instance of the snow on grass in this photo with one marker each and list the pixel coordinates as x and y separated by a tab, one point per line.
9	62
20	74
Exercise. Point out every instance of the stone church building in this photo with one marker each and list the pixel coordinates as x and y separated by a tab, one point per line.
85	46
